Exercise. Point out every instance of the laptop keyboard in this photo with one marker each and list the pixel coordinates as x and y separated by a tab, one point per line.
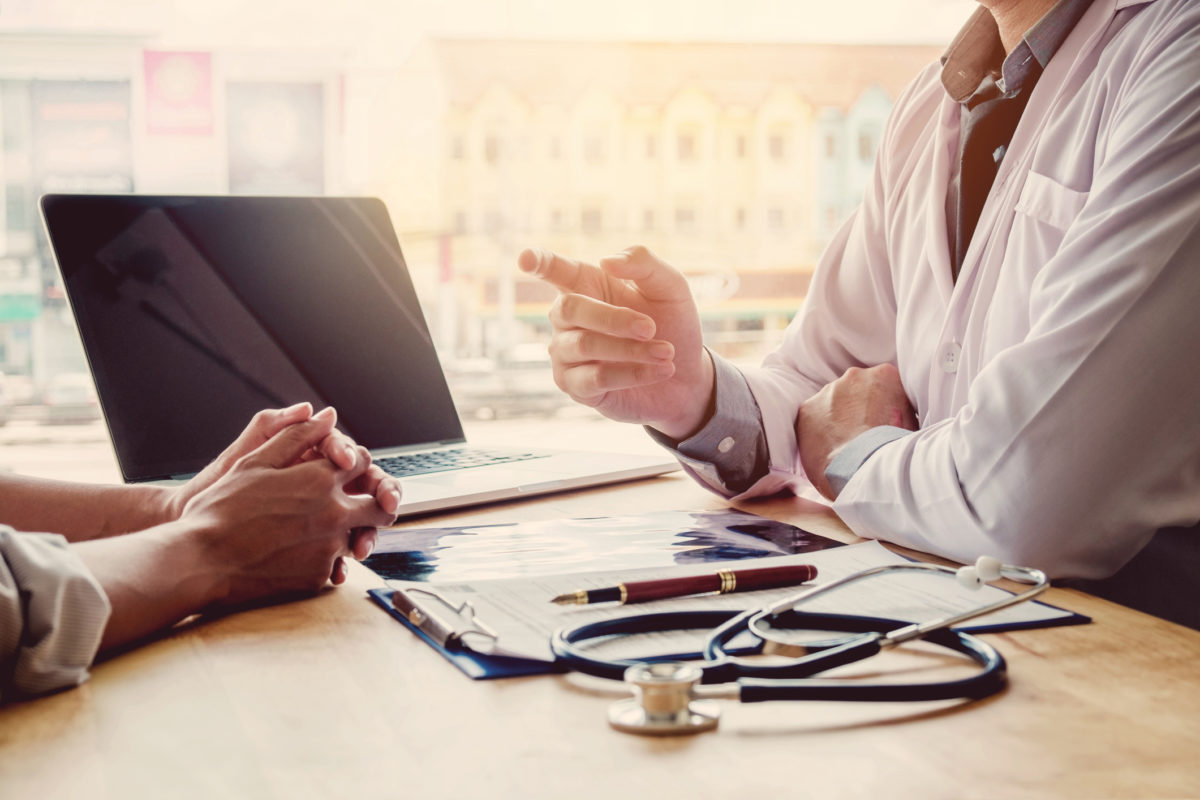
445	460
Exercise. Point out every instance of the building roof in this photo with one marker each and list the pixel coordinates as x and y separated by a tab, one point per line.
650	74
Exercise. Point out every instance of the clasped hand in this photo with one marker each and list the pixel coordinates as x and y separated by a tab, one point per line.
278	510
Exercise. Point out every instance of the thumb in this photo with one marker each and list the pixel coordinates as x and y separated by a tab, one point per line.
656	279
288	446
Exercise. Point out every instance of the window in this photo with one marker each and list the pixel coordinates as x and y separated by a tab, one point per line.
594	149
776	147
685	147
591	220
491	150
685	219
866	146
18	208
500	149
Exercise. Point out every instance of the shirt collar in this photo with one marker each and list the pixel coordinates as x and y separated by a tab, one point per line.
977	52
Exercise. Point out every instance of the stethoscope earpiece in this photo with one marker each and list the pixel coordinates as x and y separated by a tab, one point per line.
985	570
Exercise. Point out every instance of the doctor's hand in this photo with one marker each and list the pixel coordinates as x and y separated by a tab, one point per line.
856	402
627	339
279	521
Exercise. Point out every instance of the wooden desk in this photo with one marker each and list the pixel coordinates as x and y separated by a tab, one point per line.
329	698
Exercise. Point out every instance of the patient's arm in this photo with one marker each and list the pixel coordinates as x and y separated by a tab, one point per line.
80	511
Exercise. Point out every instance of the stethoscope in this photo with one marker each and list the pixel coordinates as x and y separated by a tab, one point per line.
665	703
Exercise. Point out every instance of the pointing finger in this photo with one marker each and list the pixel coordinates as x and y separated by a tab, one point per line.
565	274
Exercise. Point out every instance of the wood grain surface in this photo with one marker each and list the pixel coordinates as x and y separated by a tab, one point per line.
330	698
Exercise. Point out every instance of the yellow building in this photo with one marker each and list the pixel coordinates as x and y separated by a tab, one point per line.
735	162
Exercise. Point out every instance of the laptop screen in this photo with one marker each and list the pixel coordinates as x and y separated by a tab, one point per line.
195	312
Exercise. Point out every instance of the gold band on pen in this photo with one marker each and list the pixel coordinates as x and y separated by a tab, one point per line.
624	593
581	597
728	581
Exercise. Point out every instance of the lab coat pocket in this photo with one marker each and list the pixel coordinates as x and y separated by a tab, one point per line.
1048	201
1044	212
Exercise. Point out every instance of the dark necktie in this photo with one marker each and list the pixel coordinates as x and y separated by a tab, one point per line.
986	133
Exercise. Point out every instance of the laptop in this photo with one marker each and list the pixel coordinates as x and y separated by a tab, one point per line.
197	311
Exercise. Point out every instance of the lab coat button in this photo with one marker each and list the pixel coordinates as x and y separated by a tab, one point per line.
950	355
725	445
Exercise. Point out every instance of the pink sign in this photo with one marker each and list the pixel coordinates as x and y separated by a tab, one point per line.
179	92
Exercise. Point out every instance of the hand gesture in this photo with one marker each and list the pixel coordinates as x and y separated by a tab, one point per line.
627	339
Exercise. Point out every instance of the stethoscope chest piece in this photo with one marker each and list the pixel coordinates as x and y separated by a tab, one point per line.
663	703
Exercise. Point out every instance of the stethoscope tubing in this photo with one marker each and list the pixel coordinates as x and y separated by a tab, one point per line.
760	683
793	680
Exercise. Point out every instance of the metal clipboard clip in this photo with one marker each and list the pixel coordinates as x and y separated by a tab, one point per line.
451	626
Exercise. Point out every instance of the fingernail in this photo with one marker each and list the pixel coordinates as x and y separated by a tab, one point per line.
541	259
294	408
394	501
643	328
351	453
662	350
663	370
324	413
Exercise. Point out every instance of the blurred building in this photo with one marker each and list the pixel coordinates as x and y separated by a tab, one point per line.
736	162
107	112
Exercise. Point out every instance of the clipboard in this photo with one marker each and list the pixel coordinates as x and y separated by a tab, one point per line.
432	629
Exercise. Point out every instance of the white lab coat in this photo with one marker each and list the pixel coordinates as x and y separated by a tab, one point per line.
1057	382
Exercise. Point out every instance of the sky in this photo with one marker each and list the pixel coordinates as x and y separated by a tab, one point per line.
383	31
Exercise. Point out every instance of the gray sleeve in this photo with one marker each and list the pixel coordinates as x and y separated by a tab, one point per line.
855	453
729	453
52	614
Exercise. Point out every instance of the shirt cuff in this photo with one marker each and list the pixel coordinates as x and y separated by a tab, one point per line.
52	614
729	453
852	455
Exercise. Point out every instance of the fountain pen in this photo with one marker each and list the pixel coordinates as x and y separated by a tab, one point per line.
723	582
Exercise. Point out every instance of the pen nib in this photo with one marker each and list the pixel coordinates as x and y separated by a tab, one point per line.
571	599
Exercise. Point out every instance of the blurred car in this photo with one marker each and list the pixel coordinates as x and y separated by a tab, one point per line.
518	383
70	399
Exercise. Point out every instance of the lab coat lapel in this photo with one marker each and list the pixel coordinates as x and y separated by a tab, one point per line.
937	243
1052	88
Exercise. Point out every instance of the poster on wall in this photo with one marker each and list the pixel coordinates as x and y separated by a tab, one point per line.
81	136
276	138
179	93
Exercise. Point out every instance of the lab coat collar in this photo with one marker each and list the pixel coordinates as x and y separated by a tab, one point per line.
977	47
